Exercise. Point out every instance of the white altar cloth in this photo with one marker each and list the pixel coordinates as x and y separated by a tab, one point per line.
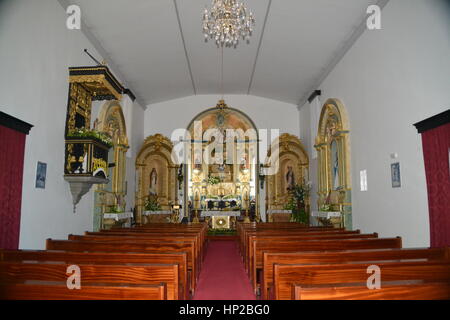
218	213
118	216
148	213
326	214
278	211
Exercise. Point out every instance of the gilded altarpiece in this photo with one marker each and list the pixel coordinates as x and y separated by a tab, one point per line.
333	149
234	181
157	175
293	168
111	196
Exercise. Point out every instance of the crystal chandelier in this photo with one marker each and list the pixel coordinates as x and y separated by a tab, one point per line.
227	22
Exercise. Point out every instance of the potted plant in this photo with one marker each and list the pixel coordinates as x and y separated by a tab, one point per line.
299	194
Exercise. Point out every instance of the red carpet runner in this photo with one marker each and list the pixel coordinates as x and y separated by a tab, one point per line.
223	275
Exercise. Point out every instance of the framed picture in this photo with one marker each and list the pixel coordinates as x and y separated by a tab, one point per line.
395	175
41	175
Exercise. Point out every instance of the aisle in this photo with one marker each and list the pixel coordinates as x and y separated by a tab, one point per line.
223	275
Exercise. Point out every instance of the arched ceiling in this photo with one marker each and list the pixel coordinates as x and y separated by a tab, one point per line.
158	48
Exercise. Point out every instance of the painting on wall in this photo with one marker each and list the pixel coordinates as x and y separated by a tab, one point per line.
41	175
395	175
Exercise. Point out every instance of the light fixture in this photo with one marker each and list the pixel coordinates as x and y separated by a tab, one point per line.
227	22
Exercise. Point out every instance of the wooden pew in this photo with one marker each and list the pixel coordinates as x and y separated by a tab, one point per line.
277	228
46	290
335	257
285	276
290	233
254	239
95	273
69	257
148	234
256	255
146	239
97	246
396	290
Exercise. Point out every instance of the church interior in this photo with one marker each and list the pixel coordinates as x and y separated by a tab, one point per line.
225	150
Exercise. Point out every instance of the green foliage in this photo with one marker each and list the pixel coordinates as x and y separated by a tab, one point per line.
291	205
325	208
151	204
213	180
91	134
221	232
300	192
297	203
300	216
114	209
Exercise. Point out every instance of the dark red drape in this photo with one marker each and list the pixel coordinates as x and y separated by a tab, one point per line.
12	148
436	144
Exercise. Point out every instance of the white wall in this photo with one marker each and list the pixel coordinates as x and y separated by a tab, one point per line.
36	52
389	80
166	116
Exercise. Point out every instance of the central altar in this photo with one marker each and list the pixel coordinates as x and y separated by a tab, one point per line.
222	174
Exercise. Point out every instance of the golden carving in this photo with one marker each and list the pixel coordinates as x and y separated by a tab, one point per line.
333	149
157	173
293	160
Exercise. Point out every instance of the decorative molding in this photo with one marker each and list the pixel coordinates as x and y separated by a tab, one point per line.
433	122
14	123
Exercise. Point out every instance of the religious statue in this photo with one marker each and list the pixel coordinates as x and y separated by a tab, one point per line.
290	178
335	164
153	182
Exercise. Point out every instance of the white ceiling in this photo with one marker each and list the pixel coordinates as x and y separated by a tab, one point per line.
159	49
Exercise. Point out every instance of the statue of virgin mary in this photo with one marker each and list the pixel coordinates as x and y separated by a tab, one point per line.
153	182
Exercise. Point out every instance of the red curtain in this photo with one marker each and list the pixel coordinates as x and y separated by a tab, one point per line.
12	148
436	144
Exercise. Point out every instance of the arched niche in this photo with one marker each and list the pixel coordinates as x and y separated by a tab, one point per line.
112	121
333	149
156	174
293	168
238	176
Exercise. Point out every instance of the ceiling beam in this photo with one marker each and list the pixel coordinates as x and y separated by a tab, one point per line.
347	45
184	46
259	47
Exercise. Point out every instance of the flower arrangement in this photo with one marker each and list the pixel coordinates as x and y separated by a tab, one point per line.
151	204
93	134
297	203
213	180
